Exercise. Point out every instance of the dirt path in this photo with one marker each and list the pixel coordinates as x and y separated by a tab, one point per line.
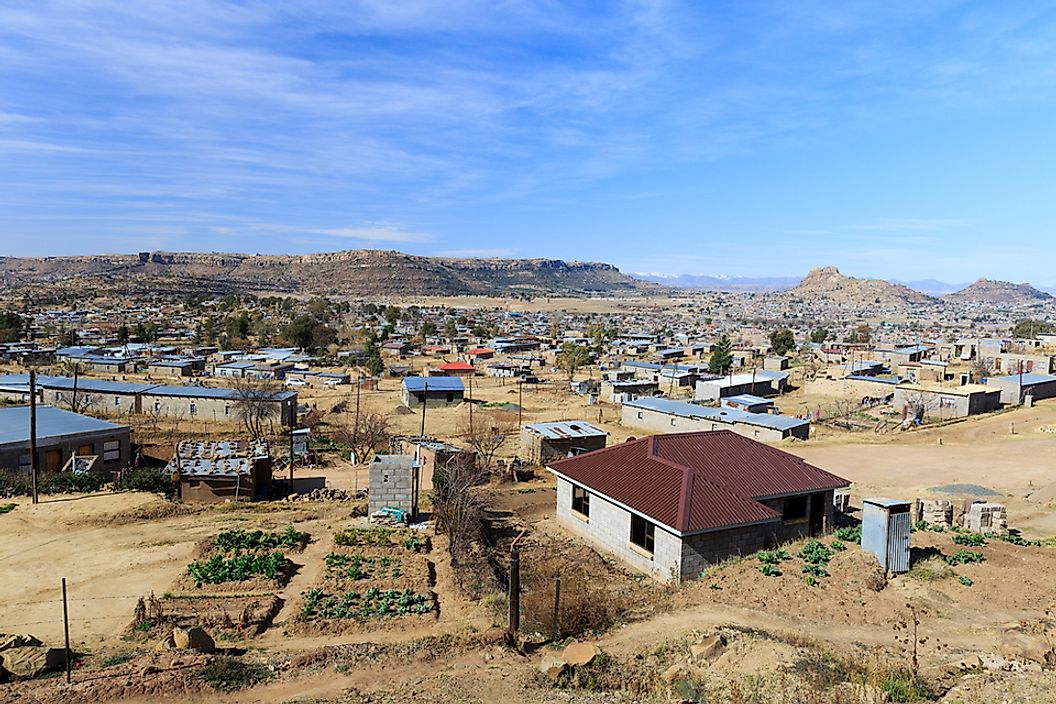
310	572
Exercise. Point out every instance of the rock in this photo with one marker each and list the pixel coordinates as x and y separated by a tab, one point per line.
193	639
149	670
579	654
708	649
166	643
30	661
675	673
552	667
1016	645
17	640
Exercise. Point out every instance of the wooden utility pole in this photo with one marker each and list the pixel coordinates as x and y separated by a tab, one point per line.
555	633
520	402
515	587
425	402
33	430
470	380
66	628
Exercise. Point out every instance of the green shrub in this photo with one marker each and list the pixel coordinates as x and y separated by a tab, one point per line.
966	581
246	541
229	674
14	483
7	508
849	534
769	570
816	553
964	557
972	540
71	483
217	569
1018	540
370	604
903	687
148	479
837	545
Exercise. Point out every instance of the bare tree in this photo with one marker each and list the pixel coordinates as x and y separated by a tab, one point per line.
486	433
918	405
458	511
256	406
368	433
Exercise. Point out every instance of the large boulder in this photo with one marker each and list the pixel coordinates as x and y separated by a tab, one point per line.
1016	645
708	649
579	654
29	661
193	639
552	667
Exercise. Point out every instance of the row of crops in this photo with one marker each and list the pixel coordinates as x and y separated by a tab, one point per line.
241	555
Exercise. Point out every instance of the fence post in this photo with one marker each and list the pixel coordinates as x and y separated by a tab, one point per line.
66	628
515	588
555	632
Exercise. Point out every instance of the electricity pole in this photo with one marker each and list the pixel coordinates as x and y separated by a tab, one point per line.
33	429
425	401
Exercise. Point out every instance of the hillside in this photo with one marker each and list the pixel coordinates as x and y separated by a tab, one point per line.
999	293
829	285
357	272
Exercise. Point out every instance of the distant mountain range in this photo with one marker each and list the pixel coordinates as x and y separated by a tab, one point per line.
707	282
719	282
356	272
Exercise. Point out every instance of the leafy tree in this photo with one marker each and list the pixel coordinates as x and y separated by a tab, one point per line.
450	328
375	365
571	358
1030	328
819	336
238	326
68	337
300	332
392	315
721	357
122	334
11	326
863	333
782	341
428	329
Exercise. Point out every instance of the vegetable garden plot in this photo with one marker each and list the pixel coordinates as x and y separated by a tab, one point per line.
371	578
224	617
243	561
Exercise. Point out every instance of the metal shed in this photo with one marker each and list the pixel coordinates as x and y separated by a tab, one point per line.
886	525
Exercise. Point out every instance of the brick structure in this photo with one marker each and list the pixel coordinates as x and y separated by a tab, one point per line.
392	482
671	505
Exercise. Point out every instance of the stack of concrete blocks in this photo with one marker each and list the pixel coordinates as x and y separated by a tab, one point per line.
936	512
390	483
987	518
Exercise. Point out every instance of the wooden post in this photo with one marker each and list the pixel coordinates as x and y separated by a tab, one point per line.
425	402
66	628
555	633
515	587
33	430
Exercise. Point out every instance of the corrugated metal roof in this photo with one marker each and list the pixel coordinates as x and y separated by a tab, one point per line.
692	482
563	430
1029	378
51	423
433	383
721	415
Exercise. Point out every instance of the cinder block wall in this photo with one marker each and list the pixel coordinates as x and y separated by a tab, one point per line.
609	529
387	486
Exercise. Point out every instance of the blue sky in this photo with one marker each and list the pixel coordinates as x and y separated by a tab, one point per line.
899	139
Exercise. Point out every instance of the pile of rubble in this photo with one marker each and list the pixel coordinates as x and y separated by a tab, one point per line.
326	494
26	657
973	515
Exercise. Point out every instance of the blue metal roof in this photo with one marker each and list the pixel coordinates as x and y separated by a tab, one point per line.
724	415
1028	378
749	399
433	383
101	386
51	423
211	392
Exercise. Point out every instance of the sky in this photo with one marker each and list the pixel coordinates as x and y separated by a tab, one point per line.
906	140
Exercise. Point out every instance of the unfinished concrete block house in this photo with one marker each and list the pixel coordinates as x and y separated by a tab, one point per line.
671	505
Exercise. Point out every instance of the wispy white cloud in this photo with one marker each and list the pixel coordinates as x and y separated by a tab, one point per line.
376	233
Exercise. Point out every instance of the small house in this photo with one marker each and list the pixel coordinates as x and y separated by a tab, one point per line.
673	505
542	442
432	391
222	470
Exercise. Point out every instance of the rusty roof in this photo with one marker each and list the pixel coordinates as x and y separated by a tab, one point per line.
695	482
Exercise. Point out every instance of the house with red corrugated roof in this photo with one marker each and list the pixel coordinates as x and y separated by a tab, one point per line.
672	505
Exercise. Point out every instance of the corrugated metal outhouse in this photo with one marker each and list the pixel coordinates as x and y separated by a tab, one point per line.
886	525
